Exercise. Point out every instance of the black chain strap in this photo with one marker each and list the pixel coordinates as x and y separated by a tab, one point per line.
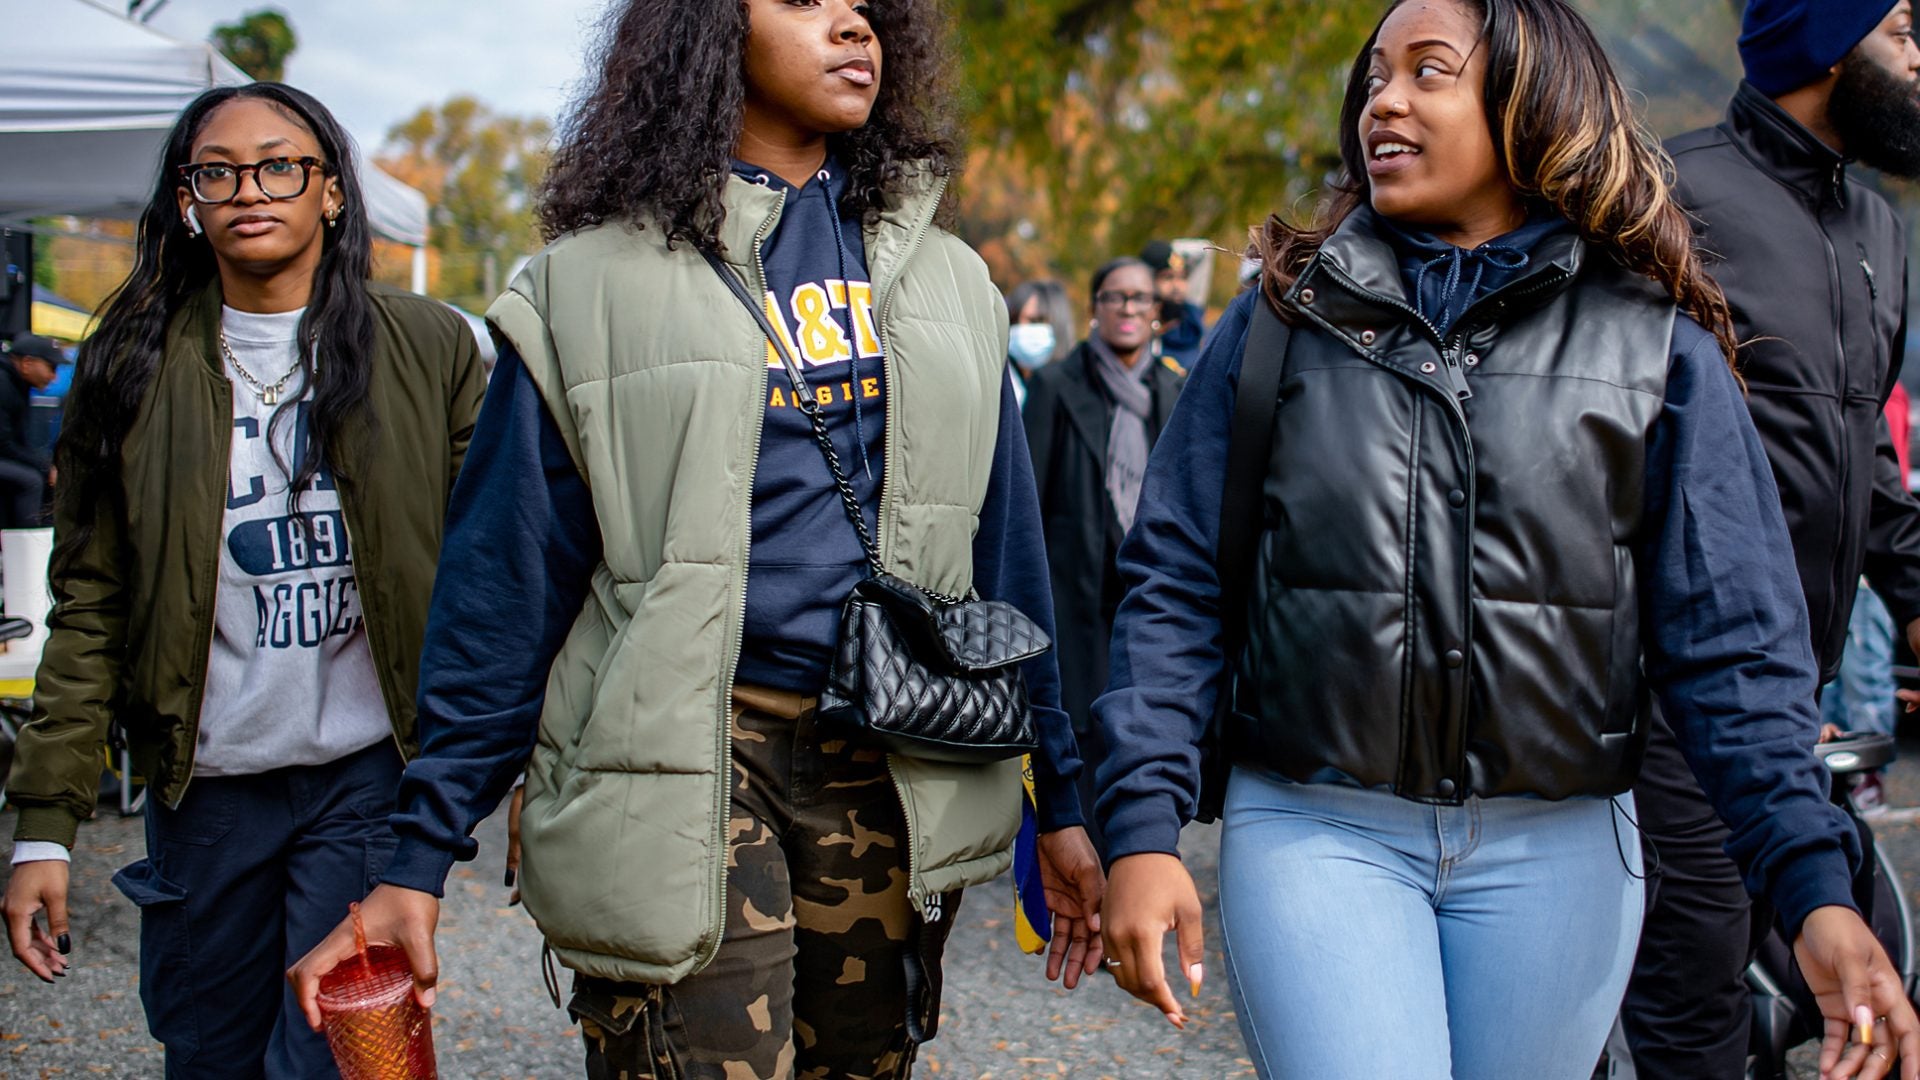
810	405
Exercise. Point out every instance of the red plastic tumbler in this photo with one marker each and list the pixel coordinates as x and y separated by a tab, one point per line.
375	1027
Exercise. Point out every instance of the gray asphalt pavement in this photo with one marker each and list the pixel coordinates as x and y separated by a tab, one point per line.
494	1019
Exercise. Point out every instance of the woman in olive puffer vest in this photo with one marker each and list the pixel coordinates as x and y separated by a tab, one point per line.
739	890
259	449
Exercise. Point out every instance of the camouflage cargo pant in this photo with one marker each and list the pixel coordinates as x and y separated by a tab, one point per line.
819	971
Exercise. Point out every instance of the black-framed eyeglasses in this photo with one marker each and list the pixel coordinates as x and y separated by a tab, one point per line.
1123	300
218	182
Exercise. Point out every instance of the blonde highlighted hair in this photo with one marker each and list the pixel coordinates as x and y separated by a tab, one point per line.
1566	135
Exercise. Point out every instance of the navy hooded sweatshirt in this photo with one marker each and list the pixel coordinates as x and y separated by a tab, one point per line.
522	542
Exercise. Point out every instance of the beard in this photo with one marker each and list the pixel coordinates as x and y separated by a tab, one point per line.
1877	114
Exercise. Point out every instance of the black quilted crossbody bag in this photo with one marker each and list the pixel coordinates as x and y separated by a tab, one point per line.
915	672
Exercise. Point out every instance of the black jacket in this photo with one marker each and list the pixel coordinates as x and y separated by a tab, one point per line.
1446	600
1067	416
1814	266
15	409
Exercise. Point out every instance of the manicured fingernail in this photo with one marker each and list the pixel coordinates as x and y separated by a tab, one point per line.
510	877
64	943
426	999
1863	1020
1194	977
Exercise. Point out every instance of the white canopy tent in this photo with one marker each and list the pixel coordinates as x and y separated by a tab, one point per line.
86	99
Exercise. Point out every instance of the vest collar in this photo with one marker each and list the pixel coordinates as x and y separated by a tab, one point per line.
1359	255
1783	148
754	209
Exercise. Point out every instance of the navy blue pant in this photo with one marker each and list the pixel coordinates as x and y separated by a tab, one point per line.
240	881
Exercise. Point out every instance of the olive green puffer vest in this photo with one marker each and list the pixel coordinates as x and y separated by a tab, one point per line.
657	379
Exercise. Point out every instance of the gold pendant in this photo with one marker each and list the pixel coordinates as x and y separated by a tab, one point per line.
271	395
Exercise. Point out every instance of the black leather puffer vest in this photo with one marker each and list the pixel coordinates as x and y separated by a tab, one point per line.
1445	601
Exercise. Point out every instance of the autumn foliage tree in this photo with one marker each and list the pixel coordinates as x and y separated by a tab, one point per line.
1097	125
477	169
259	43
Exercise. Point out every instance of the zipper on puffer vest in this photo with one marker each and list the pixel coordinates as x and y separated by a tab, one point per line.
916	892
723	813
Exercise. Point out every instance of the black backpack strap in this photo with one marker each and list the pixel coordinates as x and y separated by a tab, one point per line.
1249	450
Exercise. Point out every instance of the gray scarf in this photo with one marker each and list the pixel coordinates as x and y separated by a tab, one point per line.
1131	401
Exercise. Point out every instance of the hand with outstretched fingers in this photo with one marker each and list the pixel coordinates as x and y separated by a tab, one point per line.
1147	895
1870	1023
35	887
390	915
513	843
1070	876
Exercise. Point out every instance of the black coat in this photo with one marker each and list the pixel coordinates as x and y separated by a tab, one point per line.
1814	266
15	411
1067	417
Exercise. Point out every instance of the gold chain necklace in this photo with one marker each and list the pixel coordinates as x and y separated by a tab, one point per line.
269	394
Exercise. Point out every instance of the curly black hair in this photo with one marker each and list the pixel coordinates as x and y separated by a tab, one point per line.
650	139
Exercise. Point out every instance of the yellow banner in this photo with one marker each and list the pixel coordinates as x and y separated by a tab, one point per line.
59	322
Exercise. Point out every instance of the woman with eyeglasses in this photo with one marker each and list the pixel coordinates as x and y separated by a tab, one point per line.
1091	420
258	452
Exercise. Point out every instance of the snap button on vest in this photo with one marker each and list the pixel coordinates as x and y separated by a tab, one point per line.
1366	337
1445	788
1429	367
1473	359
1306	296
1456	498
1455	658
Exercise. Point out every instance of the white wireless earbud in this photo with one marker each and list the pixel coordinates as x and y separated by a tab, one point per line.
193	222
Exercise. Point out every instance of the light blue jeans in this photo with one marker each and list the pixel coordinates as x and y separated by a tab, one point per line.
1860	698
1369	936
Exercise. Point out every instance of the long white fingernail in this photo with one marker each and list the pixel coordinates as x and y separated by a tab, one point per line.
1194	976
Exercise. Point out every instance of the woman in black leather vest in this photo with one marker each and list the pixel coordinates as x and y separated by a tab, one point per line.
1511	496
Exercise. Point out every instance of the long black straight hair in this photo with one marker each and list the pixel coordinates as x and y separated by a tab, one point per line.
117	364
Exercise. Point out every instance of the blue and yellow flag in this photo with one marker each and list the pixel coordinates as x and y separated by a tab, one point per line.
1032	923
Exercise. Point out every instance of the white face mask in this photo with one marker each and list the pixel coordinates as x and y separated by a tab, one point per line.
1030	344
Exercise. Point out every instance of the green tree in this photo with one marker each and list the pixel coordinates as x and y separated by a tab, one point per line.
258	43
478	170
1096	125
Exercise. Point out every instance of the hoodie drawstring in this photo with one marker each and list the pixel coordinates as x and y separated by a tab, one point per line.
853	340
1500	258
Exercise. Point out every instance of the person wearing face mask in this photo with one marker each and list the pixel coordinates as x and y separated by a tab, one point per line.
1509	492
1814	264
1091	420
1041	330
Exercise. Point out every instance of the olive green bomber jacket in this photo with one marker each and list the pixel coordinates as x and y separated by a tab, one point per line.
132	621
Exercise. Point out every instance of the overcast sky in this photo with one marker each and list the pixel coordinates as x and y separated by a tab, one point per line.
375	62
